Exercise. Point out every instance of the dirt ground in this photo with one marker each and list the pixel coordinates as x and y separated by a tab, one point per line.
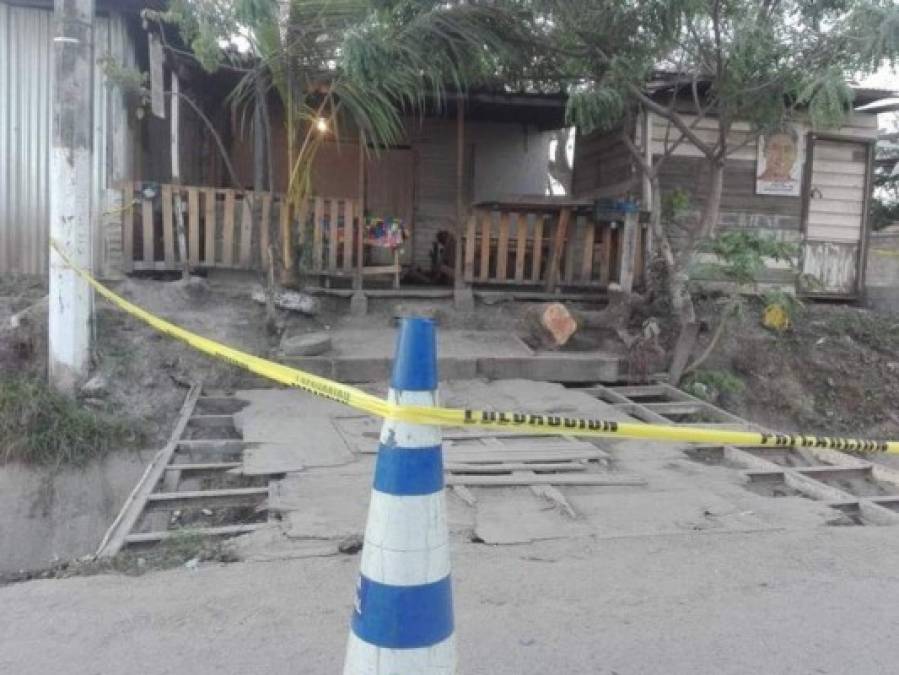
835	372
148	373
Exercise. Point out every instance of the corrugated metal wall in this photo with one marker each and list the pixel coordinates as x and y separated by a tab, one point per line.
25	36
25	79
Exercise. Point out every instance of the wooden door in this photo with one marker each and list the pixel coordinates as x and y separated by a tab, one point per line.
835	203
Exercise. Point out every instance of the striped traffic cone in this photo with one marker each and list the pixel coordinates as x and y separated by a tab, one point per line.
403	619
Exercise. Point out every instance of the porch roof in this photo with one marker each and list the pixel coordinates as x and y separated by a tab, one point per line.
544	111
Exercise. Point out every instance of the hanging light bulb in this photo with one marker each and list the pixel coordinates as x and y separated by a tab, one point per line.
322	125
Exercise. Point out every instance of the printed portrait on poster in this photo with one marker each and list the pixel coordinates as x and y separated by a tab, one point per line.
779	164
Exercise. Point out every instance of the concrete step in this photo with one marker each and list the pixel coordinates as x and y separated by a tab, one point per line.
566	368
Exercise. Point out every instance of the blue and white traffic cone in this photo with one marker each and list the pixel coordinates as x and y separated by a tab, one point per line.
403	619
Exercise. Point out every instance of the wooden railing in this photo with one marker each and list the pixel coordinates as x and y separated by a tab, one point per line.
223	230
552	246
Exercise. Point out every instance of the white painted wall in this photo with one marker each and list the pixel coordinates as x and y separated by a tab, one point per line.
509	159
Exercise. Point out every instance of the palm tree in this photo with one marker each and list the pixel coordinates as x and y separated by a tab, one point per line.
361	64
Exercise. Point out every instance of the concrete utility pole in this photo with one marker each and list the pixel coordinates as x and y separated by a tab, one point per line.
70	191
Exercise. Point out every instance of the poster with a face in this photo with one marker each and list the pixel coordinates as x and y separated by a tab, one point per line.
779	164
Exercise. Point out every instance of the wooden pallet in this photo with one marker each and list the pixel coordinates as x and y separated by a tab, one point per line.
818	473
158	488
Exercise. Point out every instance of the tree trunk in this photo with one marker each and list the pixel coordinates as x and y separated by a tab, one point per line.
552	325
267	257
708	221
678	293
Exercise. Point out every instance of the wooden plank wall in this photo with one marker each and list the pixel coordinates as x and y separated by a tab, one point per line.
515	248
602	165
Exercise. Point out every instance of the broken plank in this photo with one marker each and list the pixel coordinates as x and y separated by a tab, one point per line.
678	408
553	495
207	498
213	444
211	421
209	466
501	467
136	502
222	531
594	479
487	457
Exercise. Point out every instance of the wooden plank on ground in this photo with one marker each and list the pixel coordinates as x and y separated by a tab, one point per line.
203	467
193	225
206	498
525	478
538	246
486	227
133	508
228	230
318	234
470	239
508	467
147	222
168	227
678	408
246	234
502	247
487	456
209	228
520	224
220	531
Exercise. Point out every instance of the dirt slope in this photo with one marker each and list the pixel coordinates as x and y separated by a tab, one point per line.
836	371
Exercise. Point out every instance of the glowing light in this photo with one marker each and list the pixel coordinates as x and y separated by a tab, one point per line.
322	125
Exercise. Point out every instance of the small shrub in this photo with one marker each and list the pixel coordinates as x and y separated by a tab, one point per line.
742	254
710	384
41	426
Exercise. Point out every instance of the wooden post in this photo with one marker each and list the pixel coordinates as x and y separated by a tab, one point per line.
459	282
70	190
552	273
359	302
176	176
357	282
628	258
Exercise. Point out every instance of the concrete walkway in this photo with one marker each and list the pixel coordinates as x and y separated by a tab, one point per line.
811	601
689	573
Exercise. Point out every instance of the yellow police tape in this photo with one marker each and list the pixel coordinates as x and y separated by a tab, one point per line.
452	417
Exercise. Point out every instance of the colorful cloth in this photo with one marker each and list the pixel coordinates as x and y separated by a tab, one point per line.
384	232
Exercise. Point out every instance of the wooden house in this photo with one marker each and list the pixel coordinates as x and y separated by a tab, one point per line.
468	184
819	203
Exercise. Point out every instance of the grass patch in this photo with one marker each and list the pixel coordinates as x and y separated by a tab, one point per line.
40	426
